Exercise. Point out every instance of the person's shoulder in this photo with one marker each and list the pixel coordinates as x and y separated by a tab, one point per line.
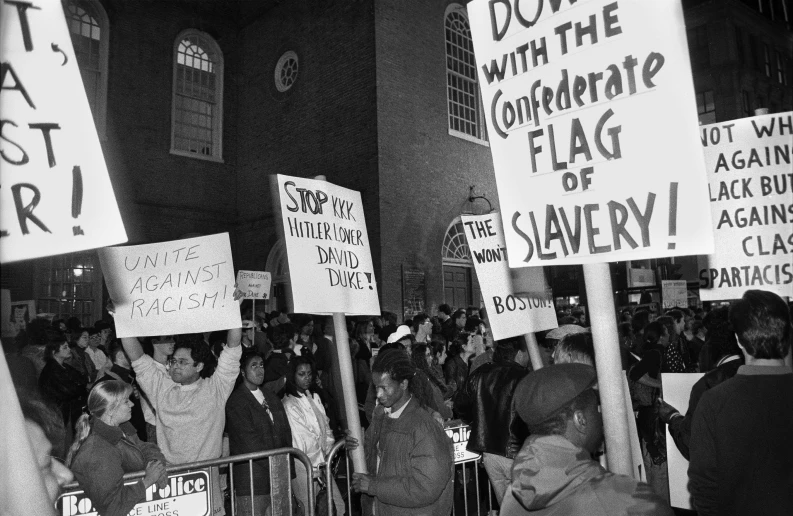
621	494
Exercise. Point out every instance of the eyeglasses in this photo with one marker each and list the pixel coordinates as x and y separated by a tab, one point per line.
256	366
181	362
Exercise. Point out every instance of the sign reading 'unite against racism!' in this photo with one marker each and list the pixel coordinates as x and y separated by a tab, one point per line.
592	123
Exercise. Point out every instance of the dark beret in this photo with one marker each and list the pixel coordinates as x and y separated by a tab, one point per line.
543	392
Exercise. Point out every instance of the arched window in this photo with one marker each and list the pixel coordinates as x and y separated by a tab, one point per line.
89	29
466	116
197	128
281	291
460	285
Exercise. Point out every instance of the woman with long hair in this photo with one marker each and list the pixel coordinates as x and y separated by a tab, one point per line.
311	431
455	369
61	382
422	359
106	447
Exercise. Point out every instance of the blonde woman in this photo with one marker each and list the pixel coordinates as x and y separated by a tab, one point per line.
106	447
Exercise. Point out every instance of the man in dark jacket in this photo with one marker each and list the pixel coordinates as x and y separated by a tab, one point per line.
485	402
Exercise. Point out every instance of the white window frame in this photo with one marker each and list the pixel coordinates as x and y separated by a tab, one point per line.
480	113
100	116
217	121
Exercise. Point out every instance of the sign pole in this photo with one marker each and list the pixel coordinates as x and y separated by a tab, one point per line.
609	367
534	351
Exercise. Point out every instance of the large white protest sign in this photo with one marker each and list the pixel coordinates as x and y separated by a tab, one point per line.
677	392
510	314
183	286
750	171
592	124
56	195
254	284
330	264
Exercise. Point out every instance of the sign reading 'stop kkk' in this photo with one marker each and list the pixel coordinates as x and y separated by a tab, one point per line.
592	124
55	193
750	171
330	264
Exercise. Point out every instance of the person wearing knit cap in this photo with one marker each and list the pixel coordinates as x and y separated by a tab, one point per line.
554	474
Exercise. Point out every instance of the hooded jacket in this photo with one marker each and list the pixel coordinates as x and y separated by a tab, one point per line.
552	476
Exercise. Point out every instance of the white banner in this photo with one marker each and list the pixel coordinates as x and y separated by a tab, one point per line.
56	195
330	264
592	124
183	286
254	284
751	198
509	313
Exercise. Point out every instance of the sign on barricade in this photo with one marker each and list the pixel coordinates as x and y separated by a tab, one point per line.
254	284
459	435
330	263
751	198
592	122
185	494
56	195
509	313
182	286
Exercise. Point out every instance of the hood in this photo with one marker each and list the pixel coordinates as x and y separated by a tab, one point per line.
548	468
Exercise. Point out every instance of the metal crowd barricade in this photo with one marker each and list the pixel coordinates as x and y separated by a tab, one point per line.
278	507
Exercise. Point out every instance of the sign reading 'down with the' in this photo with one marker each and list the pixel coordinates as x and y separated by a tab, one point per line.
674	293
750	171
330	265
183	286
509	314
592	124
56	195
254	284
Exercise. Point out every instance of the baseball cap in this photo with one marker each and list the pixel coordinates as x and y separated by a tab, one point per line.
401	331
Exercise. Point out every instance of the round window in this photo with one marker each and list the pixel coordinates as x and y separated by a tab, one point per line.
286	71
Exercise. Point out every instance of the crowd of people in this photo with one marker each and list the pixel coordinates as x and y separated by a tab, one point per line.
112	406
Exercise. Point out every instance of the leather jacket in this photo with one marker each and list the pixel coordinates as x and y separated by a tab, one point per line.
485	402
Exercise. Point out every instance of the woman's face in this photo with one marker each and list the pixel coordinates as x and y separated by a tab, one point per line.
64	351
369	328
123	411
461	321
254	371
83	340
308	329
303	377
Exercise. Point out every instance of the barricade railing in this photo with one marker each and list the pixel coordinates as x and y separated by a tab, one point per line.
70	505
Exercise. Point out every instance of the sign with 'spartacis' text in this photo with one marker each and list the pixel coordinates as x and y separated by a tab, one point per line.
56	195
183	286
750	174
330	264
185	494
510	314
592	124
254	284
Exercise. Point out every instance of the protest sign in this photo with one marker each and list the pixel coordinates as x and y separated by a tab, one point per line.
254	284
751	199
330	264
459	435
56	195
592	123
183	286
676	392
185	493
674	293
509	313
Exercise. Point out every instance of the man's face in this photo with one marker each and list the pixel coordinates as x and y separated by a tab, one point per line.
184	370
52	472
460	321
82	342
389	391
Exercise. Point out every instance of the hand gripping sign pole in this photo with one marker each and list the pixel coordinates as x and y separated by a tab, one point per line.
609	367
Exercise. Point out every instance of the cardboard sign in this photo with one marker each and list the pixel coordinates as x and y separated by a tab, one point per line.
183	286
459	436
674	293
751	198
510	314
330	264
185	493
592	123
56	195
254	284
676	392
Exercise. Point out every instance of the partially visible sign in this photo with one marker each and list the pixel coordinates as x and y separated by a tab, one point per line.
20	313
676	392
641	278
56	195
414	291
185	494
751	200
509	313
183	286
459	436
674	294
254	284
577	96
330	264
